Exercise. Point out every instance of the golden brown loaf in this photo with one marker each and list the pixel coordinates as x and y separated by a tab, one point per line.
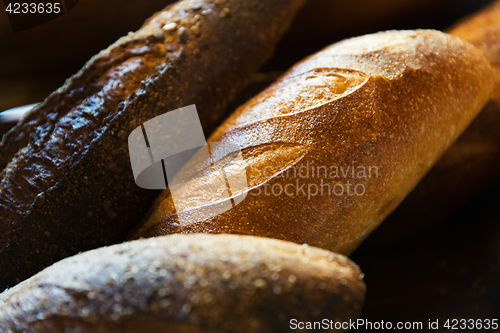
472	162
187	283
66	183
337	142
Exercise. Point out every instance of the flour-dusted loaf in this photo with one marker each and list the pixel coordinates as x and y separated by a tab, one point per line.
472	162
368	117
66	183
187	283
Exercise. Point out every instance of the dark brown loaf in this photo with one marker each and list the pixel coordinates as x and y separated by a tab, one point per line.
394	100
187	283
472	162
66	183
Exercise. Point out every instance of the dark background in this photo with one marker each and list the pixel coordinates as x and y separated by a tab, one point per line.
451	270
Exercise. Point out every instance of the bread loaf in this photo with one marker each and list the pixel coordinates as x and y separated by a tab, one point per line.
472	162
338	141
66	183
187	283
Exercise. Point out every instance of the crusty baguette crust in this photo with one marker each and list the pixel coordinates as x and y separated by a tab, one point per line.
394	100
187	283
472	162
67	183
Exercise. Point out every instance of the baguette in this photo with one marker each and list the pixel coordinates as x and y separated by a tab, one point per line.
66	183
187	283
387	104
472	162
